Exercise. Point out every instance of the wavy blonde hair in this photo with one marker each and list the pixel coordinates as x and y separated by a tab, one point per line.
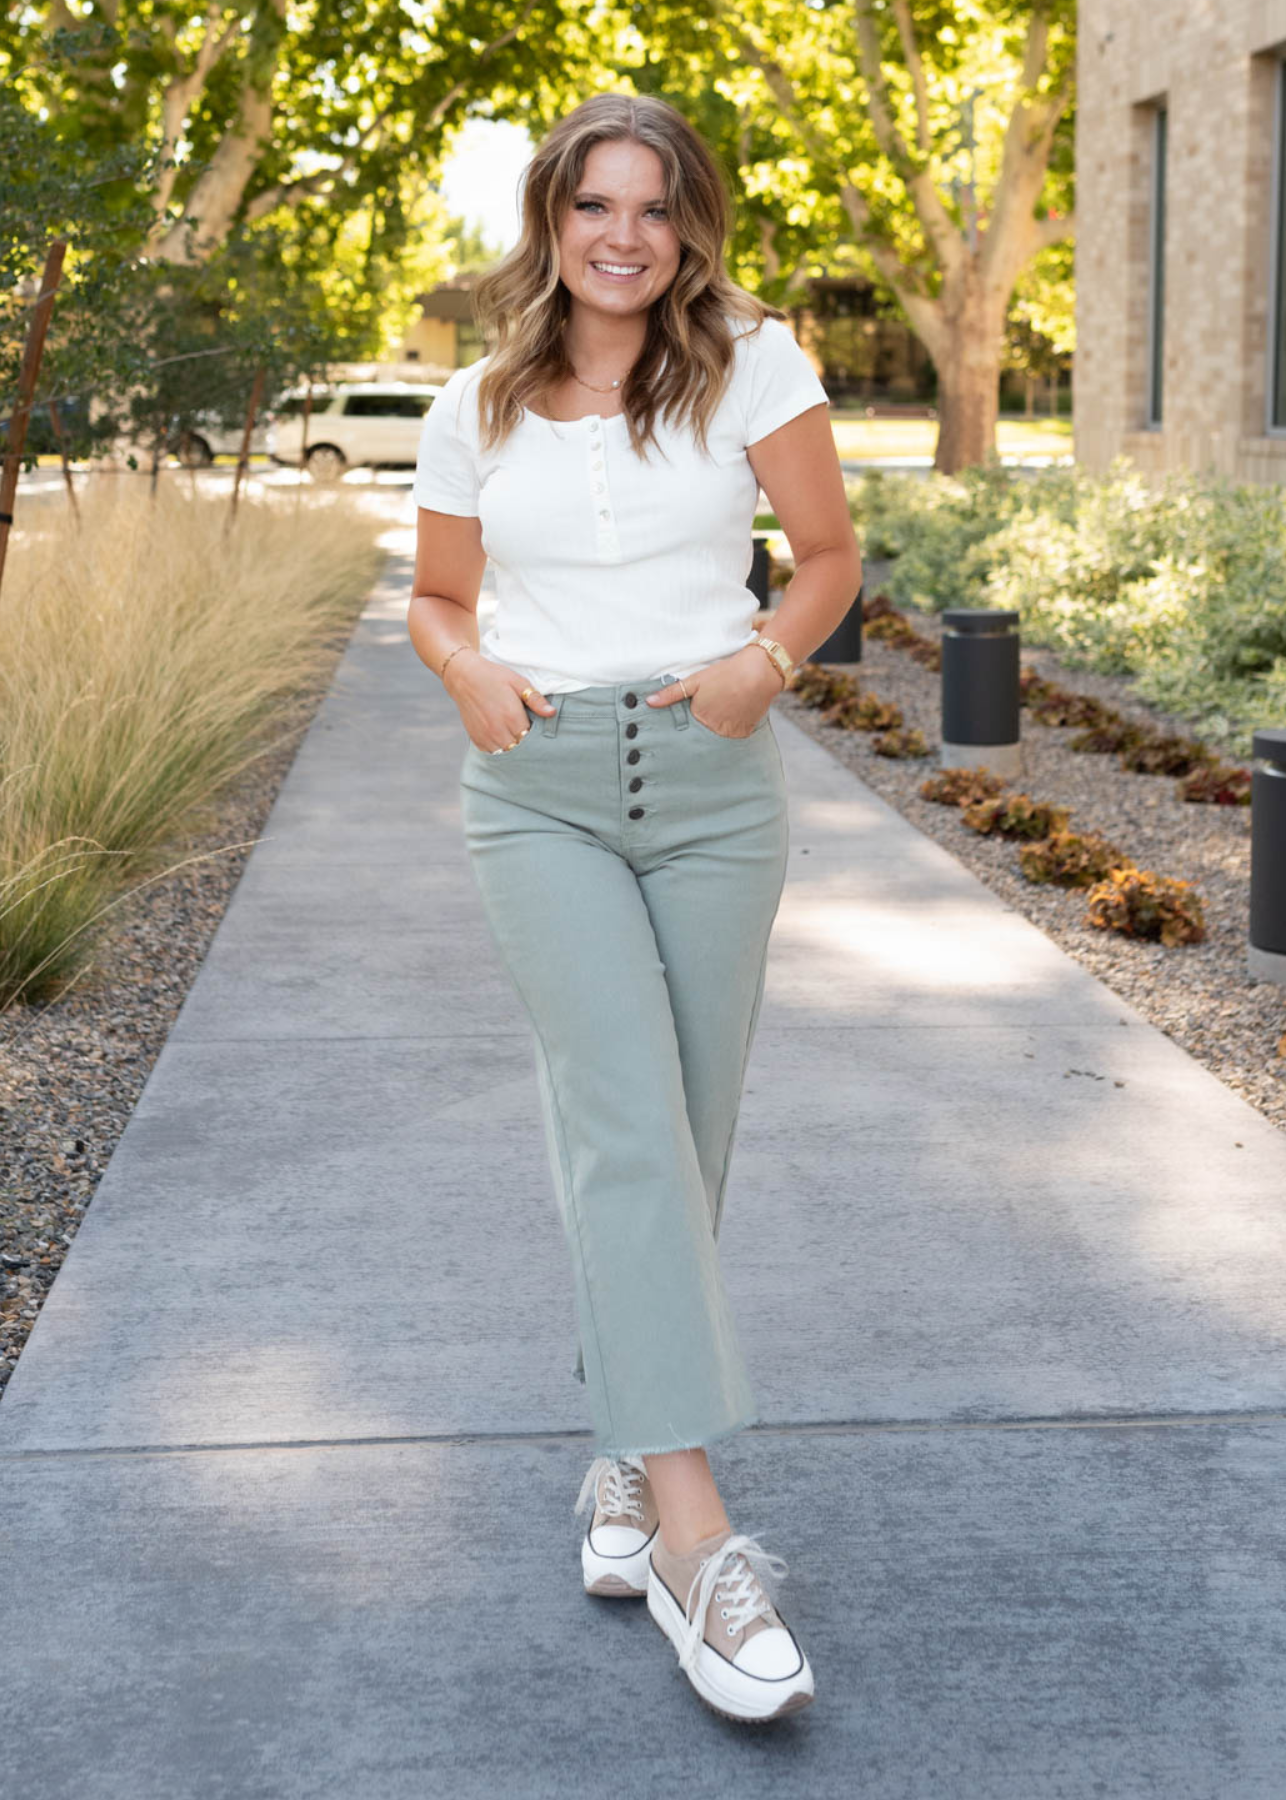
523	304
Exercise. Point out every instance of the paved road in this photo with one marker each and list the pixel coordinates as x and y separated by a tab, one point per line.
291	1516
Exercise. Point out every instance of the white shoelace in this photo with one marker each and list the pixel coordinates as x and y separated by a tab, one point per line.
730	1571
618	1495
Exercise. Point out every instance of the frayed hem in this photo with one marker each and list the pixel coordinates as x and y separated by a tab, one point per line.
713	1437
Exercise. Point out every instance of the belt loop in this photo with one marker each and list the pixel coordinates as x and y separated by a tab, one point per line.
677	709
549	721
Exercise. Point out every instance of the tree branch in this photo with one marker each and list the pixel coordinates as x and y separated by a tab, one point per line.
920	307
1013	228
948	246
214	201
179	95
1027	123
915	68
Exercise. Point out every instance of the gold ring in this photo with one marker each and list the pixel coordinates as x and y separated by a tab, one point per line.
525	692
686	694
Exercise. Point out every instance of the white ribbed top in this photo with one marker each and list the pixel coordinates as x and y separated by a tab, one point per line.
609	568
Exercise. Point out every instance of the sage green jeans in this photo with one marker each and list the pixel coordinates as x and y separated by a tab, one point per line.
630	862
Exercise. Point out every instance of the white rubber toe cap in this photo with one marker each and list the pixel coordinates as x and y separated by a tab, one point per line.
619	1540
769	1656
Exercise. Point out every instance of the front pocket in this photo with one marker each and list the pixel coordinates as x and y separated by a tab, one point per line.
719	737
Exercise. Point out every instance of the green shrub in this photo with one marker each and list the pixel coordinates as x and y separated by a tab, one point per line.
1070	859
1140	904
1180	584
938	530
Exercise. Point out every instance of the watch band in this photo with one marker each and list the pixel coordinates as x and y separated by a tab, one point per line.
778	655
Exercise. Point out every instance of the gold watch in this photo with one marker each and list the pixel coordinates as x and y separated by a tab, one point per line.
778	655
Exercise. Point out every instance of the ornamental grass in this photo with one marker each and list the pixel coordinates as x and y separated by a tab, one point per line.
146	660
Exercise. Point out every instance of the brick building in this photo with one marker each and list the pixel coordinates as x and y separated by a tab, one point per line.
1181	235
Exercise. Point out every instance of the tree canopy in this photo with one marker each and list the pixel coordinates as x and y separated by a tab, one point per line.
930	142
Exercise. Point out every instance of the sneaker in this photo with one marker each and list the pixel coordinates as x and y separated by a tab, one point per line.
734	1646
614	1555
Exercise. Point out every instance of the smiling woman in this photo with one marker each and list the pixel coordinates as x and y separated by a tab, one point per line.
625	242
623	795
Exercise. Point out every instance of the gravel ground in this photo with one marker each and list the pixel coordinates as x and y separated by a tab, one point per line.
71	1070
1198	994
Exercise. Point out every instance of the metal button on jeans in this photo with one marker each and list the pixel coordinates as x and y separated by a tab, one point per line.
631	699
633	755
636	812
636	784
632	730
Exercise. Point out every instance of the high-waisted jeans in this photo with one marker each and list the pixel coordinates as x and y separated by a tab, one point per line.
630	861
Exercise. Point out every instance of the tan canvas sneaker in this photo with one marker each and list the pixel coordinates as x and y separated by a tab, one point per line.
734	1646
614	1555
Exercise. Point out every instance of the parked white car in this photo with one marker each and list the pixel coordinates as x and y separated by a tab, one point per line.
208	437
355	424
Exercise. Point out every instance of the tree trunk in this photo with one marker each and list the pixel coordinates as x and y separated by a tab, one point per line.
28	375
968	357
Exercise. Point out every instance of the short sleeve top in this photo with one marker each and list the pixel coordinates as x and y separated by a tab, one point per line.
609	567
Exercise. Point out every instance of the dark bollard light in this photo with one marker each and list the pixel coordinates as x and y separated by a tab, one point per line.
980	695
760	564
844	645
1267	958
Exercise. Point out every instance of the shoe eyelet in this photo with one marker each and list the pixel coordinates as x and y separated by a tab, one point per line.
732	1631
723	1612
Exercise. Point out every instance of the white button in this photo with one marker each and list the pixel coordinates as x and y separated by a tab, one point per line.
605	514
598	487
593	425
598	464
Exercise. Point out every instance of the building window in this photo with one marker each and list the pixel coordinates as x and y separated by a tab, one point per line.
1156	261
1277	311
469	343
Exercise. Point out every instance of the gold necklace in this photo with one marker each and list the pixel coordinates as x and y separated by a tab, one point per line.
597	390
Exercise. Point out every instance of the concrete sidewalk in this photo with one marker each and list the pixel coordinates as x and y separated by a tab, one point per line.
1010	1269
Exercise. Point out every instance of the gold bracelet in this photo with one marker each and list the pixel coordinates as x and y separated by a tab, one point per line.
442	672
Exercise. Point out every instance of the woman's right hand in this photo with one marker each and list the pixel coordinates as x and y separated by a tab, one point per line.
488	695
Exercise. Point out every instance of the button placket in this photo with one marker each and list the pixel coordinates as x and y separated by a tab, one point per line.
606	542
632	756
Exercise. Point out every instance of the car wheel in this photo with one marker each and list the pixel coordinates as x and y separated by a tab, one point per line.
326	463
194	452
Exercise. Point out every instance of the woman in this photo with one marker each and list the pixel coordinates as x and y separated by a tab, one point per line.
623	796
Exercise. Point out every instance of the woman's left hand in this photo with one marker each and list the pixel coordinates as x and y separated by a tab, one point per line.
735	692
